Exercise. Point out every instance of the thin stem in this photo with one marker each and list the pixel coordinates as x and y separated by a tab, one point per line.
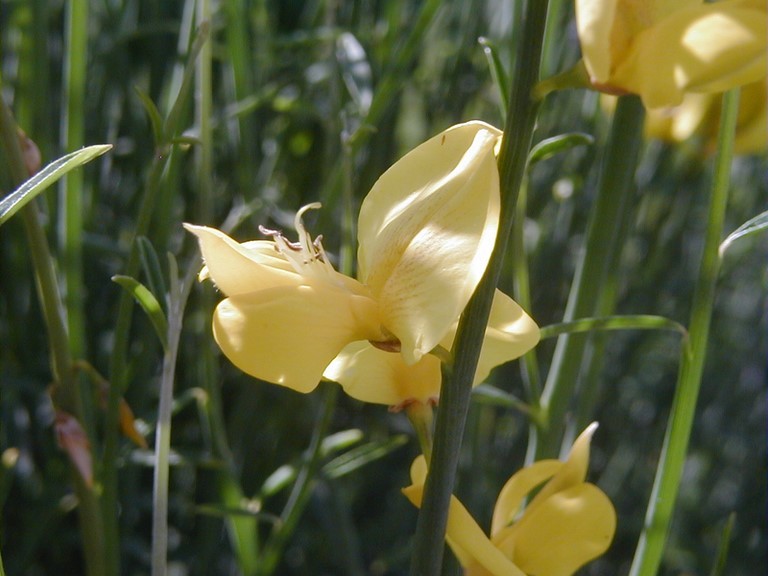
71	198
177	301
614	191
670	469
67	393
455	392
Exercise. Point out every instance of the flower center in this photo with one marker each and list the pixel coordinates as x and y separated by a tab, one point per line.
307	256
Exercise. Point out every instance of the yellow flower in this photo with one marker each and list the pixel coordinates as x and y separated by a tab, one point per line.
699	115
568	523
426	231
661	49
372	375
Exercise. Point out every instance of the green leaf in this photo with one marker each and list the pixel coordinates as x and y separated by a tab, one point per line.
636	322
557	145
149	303
287	473
718	569
155	119
756	224
362	455
151	264
493	396
45	177
498	73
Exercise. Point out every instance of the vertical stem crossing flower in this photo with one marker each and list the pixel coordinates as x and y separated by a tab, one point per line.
426	231
568	522
662	49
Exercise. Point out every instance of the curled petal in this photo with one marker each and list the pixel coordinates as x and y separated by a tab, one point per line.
426	231
510	334
471	546
568	530
512	495
289	335
372	375
573	471
241	268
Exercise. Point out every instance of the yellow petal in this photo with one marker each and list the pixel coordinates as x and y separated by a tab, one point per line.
517	488
572	473
372	375
568	530
595	22
288	335
240	268
465	537
510	334
426	232
708	48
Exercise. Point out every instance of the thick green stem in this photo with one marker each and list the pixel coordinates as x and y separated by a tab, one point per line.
67	390
72	205
456	389
670	469
615	188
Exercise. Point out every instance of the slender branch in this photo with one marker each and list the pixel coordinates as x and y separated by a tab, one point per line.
455	391
666	486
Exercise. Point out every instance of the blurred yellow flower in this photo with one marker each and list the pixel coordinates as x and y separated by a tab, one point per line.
568	523
426	232
662	49
699	115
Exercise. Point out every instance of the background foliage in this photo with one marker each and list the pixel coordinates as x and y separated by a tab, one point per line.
312	101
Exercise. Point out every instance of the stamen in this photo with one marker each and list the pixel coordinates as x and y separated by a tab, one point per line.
307	256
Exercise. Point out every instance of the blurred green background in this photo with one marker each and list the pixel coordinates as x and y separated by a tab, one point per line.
307	101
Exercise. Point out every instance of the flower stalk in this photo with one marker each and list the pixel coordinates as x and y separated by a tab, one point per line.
670	469
455	391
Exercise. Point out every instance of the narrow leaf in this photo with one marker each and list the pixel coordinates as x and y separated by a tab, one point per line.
558	144
756	224
151	264
360	456
149	303
498	73
155	119
637	322
47	176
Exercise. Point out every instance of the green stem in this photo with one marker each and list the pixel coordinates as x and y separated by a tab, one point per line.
67	393
302	488
456	389
670	469
177	301
604	230
72	206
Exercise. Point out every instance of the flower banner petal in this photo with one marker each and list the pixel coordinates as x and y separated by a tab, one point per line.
426	232
288	335
709	48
